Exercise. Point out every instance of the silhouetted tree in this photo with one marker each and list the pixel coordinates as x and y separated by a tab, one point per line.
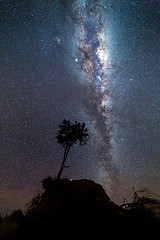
69	134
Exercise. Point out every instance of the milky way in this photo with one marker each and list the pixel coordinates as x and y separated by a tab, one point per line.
96	68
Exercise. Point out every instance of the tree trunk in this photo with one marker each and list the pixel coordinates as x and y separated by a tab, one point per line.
66	151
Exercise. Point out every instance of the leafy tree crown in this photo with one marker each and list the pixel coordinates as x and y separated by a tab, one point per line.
70	133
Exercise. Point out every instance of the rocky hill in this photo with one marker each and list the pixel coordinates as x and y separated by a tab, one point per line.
81	210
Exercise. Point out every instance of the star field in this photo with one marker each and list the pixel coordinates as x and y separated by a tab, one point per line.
92	61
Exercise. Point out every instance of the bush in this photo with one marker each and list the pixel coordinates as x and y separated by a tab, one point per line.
17	215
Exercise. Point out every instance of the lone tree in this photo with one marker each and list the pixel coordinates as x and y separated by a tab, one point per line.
69	134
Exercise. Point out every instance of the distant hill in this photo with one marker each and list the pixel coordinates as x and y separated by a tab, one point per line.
81	210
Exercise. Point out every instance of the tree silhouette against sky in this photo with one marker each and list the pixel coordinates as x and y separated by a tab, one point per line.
69	134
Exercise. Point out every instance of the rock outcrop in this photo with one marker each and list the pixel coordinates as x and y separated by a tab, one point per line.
81	210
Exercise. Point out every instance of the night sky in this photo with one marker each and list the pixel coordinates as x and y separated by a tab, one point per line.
94	61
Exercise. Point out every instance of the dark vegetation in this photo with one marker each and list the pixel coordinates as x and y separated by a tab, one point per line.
69	134
80	209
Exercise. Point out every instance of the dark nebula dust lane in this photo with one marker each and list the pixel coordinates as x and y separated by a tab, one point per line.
92	61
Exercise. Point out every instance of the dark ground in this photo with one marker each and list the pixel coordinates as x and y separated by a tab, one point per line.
81	210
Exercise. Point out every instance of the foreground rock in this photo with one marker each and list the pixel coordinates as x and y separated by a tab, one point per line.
80	210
